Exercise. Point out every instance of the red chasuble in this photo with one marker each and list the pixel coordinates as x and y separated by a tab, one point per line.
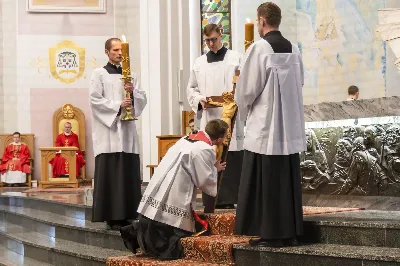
15	158
60	164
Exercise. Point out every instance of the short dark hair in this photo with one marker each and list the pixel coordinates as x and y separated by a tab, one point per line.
216	128
191	121
352	90
210	28
108	43
17	133
271	13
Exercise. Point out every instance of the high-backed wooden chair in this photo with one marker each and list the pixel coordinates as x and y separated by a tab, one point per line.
27	139
76	117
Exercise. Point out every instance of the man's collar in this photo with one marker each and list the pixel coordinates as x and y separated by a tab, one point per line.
219	49
113	65
67	134
208	137
273	32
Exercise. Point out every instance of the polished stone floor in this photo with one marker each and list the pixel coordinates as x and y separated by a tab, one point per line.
68	197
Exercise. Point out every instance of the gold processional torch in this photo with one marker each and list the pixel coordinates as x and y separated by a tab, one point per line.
126	114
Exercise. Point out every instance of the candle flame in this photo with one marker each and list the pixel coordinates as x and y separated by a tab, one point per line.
123	38
247	20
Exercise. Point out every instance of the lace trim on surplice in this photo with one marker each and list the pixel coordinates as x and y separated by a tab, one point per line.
166	207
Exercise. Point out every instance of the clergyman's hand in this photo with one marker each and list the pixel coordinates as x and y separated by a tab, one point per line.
128	87
203	104
126	103
220	166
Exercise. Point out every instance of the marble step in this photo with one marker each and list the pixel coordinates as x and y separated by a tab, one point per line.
62	227
55	251
8	257
357	228
316	255
55	204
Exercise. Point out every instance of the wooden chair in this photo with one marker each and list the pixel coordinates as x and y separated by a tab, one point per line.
167	141
27	139
76	117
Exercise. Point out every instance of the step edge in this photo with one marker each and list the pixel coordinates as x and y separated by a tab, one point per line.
108	232
352	224
47	200
388	258
16	254
58	250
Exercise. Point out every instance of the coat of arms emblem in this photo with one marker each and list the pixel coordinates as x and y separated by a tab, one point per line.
67	61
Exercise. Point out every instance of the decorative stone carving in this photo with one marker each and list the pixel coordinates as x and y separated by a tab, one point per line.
355	160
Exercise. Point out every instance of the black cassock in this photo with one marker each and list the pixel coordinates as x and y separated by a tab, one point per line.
229	190
270	196
117	189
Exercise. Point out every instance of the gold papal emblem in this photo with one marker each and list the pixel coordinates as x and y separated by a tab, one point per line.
68	111
67	61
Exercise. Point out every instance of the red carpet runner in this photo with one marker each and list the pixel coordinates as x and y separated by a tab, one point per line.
215	249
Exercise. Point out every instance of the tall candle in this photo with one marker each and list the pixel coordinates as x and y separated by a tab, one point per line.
248	34
125	57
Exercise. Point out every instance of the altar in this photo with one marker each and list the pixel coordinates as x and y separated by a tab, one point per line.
353	154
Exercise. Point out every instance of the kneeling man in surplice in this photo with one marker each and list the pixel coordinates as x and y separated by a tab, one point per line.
167	206
15	162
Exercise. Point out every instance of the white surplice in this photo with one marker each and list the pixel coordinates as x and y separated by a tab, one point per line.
110	134
270	100
212	79
172	189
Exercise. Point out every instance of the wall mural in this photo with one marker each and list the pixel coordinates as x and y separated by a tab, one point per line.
356	160
217	12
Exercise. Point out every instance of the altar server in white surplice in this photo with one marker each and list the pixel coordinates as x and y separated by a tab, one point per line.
212	75
117	186
269	97
167	206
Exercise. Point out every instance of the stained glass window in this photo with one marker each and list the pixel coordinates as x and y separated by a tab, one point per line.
217	12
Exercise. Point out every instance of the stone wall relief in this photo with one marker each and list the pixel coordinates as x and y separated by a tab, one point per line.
356	160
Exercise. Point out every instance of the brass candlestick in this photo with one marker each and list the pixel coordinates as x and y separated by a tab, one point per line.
126	114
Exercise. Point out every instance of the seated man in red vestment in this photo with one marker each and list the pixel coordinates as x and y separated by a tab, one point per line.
59	163
15	162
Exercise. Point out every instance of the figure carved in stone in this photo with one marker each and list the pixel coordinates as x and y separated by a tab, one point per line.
391	153
365	173
350	134
314	165
342	160
370	135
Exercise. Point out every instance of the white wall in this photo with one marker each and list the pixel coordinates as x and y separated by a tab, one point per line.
164	40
